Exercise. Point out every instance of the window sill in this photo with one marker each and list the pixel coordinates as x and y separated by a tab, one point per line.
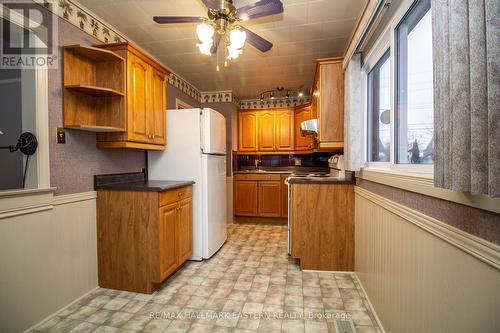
423	183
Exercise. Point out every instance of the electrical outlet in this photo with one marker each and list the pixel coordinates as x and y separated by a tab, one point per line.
298	162
61	136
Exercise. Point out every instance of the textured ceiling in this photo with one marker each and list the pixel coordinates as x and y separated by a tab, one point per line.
307	30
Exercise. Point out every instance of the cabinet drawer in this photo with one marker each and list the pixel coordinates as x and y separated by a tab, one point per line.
257	177
172	196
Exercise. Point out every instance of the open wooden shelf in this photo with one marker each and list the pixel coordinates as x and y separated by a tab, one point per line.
94	90
94	53
93	128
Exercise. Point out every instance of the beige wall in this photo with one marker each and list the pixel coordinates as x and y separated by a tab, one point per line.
422	275
48	256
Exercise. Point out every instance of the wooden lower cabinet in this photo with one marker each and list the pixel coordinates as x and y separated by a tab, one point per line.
245	198
168	257
322	226
142	237
185	231
269	199
260	195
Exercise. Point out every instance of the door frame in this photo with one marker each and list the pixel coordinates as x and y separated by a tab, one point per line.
41	110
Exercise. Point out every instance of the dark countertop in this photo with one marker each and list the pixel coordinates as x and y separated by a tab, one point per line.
349	179
136	181
283	170
320	180
145	185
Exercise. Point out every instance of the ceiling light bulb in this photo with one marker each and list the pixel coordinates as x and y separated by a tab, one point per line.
233	53
205	32
237	38
205	48
301	94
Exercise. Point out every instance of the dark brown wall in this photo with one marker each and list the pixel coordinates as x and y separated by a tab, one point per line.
478	222
73	165
174	93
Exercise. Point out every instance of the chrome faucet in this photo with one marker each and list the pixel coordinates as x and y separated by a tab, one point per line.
257	163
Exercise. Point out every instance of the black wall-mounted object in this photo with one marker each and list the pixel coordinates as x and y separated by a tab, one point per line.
27	144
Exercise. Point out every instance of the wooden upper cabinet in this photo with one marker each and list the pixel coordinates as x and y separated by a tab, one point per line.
284	130
138	81
302	113
146	102
328	102
157	123
266	131
247	131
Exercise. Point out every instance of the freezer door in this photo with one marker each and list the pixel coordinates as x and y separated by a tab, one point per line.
213	132
214	199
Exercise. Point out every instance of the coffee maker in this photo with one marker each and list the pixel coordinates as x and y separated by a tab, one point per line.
336	164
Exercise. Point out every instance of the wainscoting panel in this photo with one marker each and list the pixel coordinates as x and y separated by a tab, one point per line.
48	259
421	276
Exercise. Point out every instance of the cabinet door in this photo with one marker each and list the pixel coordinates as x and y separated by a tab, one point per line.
158	107
168	243
185	229
247	133
284	125
302	113
266	130
269	199
245	198
331	100
138	92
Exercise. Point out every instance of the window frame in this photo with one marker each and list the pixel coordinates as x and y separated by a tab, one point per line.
369	101
387	41
40	177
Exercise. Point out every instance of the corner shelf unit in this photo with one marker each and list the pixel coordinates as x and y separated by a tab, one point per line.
94	89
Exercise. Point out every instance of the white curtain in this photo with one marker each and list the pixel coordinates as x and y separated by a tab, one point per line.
353	114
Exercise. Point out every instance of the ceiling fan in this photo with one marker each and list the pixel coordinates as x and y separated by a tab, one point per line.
223	22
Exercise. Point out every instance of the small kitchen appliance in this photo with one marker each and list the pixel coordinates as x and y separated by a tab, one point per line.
336	164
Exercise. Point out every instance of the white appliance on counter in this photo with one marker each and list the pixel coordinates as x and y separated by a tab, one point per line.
196	150
336	164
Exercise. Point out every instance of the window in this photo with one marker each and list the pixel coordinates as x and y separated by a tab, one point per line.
414	116
379	111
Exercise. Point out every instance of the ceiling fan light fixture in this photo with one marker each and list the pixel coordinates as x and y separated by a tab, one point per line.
205	33
233	53
205	48
237	38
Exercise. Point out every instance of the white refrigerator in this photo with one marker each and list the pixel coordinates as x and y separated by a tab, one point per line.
196	150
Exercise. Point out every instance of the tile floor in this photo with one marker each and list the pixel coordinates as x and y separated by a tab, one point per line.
249	285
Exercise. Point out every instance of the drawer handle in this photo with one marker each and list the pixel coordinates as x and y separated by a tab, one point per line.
179	194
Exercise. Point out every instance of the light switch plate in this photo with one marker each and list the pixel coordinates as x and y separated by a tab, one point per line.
61	135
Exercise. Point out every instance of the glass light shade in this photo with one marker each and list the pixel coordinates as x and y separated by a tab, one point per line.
237	38
233	53
205	48
205	32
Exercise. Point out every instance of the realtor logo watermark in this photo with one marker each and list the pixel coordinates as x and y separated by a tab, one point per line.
28	35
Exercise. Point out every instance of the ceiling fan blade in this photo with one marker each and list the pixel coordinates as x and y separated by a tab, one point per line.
215	44
259	9
257	41
212	4
177	19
